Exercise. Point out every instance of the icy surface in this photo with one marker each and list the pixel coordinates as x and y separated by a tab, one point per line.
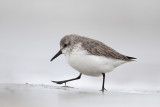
29	95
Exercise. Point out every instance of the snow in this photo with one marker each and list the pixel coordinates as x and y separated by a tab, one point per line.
36	95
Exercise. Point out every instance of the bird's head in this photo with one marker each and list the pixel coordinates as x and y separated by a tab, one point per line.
66	45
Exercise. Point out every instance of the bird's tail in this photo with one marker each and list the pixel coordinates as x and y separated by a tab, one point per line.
131	58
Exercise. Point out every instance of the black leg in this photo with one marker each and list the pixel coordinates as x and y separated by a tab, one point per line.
103	82
65	81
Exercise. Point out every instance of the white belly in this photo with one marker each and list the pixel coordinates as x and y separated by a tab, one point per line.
92	65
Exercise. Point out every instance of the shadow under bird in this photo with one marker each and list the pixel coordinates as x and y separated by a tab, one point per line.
89	57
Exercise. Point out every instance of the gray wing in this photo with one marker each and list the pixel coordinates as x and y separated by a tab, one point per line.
98	48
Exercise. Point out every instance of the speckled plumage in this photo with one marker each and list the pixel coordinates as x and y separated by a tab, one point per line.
94	47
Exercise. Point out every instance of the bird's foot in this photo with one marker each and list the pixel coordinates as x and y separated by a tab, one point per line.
59	82
103	90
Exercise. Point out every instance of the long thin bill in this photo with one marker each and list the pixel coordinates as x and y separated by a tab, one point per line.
59	53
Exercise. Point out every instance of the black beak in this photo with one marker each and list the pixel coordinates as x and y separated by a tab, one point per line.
59	53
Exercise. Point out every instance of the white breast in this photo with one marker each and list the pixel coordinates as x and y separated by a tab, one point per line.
91	65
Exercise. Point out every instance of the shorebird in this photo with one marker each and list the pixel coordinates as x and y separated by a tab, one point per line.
89	57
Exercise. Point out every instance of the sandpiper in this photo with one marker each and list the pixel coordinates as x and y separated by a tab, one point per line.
89	57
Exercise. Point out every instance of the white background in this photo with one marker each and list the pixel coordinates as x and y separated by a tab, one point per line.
30	31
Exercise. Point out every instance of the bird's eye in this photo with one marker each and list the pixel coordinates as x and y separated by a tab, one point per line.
65	45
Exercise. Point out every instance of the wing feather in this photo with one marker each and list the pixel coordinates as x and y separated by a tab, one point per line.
98	48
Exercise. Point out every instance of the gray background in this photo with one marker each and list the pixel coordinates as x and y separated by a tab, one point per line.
30	31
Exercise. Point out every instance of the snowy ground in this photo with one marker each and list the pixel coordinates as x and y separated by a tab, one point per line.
29	95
